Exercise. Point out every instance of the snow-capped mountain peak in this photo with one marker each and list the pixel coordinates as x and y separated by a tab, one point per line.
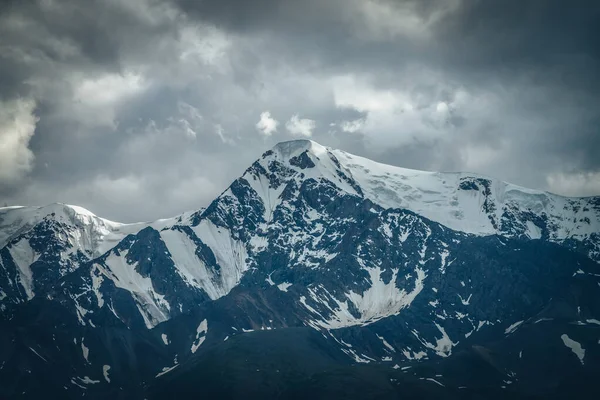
38	245
465	202
18	220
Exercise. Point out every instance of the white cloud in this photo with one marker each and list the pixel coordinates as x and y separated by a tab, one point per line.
442	107
351	92
108	88
300	126
385	20
186	127
96	100
205	45
381	20
189	120
574	184
406	114
17	126
478	157
393	117
352	126
150	12
267	125
221	133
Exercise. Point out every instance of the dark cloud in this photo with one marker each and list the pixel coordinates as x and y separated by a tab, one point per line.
510	33
145	108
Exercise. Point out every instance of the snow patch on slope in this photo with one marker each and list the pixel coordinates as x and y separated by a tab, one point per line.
105	369
512	328
379	301
23	256
153	307
201	332
85	351
269	196
230	253
97	279
533	231
386	344
443	345
574	346
193	270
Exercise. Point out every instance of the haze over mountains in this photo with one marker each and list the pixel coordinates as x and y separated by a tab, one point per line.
316	273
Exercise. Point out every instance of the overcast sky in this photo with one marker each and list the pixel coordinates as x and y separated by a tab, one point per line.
142	109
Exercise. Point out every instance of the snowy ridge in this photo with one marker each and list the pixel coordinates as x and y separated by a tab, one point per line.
83	229
64	235
464	202
89	229
169	272
58	235
456	200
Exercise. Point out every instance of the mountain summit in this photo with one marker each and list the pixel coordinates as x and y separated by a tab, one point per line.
422	284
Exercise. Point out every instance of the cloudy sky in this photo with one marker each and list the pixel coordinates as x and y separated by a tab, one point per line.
141	109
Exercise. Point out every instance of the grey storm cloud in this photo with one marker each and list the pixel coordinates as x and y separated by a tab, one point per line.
143	109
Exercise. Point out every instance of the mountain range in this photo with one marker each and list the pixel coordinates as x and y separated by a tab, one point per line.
316	273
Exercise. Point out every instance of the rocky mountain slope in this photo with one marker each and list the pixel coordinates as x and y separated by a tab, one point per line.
402	275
